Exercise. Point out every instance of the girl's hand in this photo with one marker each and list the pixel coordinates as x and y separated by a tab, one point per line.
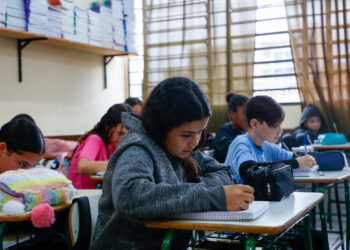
238	197
306	161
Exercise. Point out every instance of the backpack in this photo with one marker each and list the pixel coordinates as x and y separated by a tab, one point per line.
272	182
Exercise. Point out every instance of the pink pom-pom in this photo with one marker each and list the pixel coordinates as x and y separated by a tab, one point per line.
43	215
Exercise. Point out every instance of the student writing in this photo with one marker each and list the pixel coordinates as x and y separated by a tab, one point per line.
264	116
157	171
96	146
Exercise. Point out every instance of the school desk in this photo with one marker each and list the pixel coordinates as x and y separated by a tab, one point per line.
26	216
319	183
280	216
331	147
98	178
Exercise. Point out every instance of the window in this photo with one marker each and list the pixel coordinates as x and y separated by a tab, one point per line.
274	73
136	62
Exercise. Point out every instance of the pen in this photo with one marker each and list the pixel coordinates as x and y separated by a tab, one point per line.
304	142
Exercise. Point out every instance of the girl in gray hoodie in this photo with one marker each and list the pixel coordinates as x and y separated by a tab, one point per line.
157	171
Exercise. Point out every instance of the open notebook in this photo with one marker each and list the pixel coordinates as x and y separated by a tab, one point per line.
100	174
305	172
255	209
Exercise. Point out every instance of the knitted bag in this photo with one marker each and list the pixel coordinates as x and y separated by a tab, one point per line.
35	186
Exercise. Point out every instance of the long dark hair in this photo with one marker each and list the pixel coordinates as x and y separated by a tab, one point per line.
109	120
22	136
173	102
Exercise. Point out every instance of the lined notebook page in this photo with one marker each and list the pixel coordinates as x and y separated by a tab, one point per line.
305	172
256	208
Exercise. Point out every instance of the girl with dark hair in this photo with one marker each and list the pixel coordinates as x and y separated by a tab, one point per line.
158	171
135	103
96	146
22	145
236	126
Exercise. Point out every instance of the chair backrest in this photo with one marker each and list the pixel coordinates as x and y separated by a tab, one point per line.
82	221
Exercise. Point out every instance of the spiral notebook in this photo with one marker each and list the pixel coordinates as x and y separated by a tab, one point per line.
255	209
305	172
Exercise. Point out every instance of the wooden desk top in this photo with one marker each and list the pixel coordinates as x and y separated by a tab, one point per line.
96	177
26	216
328	177
331	147
280	216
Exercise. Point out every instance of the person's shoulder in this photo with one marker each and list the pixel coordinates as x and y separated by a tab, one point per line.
94	138
241	140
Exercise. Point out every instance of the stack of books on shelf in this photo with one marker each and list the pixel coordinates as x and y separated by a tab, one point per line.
81	25
130	26
106	27
53	26
118	25
15	14
94	28
67	19
2	13
36	15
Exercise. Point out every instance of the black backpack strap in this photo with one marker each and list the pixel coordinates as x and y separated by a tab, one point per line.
84	236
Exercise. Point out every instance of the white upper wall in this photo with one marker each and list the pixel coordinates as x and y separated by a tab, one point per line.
62	89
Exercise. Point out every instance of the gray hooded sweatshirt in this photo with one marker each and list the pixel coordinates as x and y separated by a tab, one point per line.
143	182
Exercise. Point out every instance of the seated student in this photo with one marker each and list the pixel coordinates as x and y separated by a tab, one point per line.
22	145
53	147
312	124
228	132
264	117
167	174
96	146
135	103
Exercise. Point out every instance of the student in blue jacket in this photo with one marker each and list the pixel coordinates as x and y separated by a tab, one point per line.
157	171
257	147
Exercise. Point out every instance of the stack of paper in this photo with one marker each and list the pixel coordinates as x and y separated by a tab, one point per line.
67	19
36	15
2	13
256	208
106	27
305	172
94	28
81	25
118	25
53	26
16	16
130	26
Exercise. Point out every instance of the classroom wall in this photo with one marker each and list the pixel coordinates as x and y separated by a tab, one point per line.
292	117
62	89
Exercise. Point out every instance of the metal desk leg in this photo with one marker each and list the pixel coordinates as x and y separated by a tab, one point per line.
313	211
307	232
167	239
339	214
2	227
346	192
320	188
249	243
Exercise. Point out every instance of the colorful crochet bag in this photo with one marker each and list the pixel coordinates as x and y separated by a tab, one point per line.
35	186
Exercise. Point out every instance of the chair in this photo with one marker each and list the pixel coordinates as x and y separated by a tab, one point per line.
82	221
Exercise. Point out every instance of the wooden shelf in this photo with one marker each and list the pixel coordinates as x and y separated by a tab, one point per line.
24	38
59	42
